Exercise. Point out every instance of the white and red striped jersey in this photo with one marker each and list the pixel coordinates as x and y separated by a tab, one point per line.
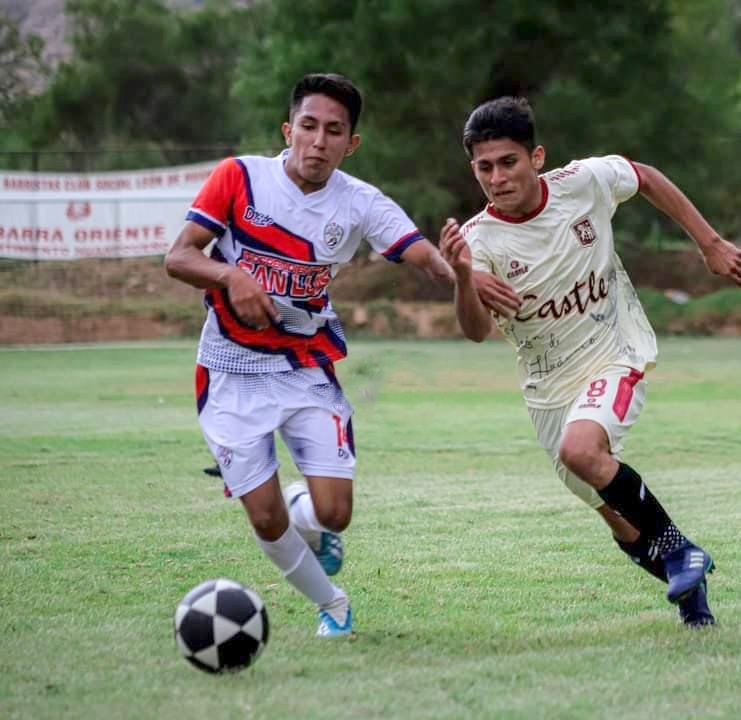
580	311
293	244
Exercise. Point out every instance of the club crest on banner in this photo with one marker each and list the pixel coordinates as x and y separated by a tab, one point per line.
78	210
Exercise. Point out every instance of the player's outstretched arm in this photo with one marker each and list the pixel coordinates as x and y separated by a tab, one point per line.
473	317
427	257
721	257
187	262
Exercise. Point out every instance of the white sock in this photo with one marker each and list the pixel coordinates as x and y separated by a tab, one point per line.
303	515
299	566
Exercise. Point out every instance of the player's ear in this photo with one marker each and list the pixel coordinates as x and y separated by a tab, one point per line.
285	128
353	145
537	158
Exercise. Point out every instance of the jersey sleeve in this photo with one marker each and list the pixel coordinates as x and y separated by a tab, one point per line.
617	177
388	229
481	256
212	206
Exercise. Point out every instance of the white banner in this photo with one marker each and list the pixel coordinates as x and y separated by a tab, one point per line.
68	216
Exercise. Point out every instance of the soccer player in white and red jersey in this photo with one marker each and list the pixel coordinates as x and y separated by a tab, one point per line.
284	226
582	339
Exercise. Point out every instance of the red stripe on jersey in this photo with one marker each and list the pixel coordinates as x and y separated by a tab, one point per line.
227	186
624	394
202	378
300	351
276	238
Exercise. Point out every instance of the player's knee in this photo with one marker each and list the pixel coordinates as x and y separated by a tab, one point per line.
269	524
334	516
579	458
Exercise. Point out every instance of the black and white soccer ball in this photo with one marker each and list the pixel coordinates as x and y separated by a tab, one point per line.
221	625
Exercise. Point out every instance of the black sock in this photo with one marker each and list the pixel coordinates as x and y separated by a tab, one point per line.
628	495
639	553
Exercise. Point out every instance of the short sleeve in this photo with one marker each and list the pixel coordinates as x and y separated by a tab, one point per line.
388	229
617	177
212	206
480	259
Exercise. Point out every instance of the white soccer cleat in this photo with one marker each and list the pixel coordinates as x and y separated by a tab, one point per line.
335	620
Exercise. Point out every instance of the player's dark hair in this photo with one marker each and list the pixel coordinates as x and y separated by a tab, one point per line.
338	87
504	117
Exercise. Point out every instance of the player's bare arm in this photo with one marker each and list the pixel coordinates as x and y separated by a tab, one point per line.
721	257
187	262
473	317
427	257
497	295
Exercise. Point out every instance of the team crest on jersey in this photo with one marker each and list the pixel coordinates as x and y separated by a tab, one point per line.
225	456
333	234
257	218
516	268
585	233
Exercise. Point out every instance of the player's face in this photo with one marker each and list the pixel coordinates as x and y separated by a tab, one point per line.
319	139
508	175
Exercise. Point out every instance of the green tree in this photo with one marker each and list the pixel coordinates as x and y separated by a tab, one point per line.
603	78
22	68
144	74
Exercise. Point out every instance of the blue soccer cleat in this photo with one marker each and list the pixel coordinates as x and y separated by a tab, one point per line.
693	610
326	545
329	627
330	552
685	570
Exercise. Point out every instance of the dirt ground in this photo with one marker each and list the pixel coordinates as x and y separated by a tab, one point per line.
59	302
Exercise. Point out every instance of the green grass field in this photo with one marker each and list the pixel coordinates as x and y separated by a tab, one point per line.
481	587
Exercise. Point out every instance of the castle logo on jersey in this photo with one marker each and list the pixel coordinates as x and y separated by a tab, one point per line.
577	300
257	218
584	231
333	234
516	269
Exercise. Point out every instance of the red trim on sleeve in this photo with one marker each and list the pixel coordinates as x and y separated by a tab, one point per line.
635	170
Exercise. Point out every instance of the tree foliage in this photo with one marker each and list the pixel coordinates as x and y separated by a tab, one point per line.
21	68
617	77
658	81
143	73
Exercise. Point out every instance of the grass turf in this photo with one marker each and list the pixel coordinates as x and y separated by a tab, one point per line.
481	587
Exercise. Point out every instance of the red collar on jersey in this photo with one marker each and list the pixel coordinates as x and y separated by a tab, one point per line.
543	200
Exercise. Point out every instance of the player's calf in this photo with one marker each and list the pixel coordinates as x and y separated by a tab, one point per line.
639	553
685	564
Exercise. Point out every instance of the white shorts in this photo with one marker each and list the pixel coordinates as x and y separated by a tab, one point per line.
239	415
614	399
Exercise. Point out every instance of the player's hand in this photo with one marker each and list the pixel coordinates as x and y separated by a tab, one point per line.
250	302
496	295
723	258
454	248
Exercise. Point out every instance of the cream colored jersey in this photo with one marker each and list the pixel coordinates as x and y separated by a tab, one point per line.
580	312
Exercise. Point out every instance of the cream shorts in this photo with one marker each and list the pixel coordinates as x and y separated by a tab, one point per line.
614	399
239	415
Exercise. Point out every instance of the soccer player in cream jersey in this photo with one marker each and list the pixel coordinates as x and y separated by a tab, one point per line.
582	339
284	227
